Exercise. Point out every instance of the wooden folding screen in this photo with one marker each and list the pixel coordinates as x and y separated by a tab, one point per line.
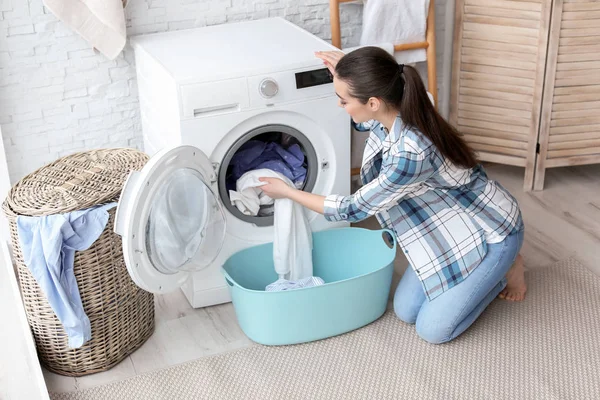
570	125
498	77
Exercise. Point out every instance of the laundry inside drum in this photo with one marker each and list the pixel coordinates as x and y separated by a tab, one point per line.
276	148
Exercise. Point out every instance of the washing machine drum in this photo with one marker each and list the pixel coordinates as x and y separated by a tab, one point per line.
171	222
274	146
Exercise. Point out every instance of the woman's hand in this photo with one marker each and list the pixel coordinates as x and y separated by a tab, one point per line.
276	188
330	58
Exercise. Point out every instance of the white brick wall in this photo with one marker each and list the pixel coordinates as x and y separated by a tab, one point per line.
58	96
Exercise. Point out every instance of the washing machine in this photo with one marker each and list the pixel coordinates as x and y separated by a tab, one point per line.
204	94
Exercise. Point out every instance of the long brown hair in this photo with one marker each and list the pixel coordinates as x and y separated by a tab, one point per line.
372	72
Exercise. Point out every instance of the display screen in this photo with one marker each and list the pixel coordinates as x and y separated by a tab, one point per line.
313	78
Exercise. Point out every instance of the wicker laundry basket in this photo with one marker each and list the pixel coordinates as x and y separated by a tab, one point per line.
120	313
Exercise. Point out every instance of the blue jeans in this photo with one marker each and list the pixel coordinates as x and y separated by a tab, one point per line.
452	312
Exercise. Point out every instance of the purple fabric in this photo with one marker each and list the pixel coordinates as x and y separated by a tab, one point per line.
256	154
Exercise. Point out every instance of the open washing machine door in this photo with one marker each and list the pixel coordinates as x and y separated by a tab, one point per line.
171	222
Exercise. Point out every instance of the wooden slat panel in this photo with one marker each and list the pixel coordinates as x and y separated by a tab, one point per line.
506	38
502	118
575	113
566	41
574	66
571	49
523	98
576	98
568	161
581	81
503	55
575	144
507	5
591	56
575	136
497	86
501	71
559	130
569	7
503	12
502	159
580	90
470	130
494	110
523	84
511	105
527	66
488	45
501	21
575	121
595	105
581	23
580	32
498	149
573	153
577	73
492	125
500	30
581	15
495	142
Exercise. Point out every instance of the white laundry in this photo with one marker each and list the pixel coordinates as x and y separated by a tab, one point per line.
248	197
396	21
283	284
292	242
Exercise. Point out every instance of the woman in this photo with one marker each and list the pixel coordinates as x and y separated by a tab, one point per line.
460	231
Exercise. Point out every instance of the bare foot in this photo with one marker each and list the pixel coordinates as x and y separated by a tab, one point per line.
515	288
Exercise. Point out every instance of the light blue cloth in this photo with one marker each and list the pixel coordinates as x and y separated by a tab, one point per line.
48	245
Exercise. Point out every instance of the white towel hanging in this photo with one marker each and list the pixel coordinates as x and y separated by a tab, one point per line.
100	22
398	22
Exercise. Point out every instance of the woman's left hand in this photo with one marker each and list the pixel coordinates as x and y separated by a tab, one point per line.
330	59
276	188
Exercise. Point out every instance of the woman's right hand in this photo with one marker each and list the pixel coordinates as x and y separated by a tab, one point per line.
330	58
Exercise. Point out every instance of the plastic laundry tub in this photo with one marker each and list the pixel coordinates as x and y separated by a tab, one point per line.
356	265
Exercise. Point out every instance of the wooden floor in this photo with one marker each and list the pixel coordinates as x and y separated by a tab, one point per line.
561	221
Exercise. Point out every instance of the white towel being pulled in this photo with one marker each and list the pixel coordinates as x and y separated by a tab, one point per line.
292	242
396	21
248	197
100	22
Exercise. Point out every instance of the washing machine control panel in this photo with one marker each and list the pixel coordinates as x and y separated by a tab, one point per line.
293	85
268	88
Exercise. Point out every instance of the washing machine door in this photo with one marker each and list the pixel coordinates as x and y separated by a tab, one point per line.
171	222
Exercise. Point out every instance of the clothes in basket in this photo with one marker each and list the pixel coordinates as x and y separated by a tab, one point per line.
48	244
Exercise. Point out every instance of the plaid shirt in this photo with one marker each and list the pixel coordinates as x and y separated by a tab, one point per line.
443	215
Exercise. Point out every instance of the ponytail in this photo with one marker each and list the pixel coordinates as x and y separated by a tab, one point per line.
372	72
417	110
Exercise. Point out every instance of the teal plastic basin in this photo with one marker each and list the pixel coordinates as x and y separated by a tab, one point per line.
356	265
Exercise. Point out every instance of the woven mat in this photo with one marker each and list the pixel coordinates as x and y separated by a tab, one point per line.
547	347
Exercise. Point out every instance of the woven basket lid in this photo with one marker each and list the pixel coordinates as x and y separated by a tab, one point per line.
74	182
